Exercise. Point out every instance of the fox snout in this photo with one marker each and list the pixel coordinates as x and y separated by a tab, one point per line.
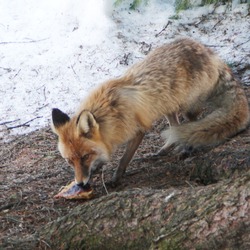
83	172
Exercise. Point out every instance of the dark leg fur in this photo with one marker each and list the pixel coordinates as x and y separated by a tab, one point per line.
126	158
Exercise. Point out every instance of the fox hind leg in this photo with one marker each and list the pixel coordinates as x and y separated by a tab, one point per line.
183	151
173	121
193	113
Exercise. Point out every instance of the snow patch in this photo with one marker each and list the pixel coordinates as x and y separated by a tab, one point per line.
53	52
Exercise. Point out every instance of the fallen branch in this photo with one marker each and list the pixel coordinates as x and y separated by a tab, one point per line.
218	22
202	19
238	45
7	69
32	41
103	182
219	46
4	123
25	124
45	105
125	59
73	69
164	28
16	74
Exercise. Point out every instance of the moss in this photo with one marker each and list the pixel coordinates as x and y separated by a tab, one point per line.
169	243
186	4
182	5
207	2
174	17
179	4
135	4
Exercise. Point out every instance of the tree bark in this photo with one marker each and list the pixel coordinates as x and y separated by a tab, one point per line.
211	217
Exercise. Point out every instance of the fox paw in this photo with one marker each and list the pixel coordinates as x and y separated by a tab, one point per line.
113	184
184	152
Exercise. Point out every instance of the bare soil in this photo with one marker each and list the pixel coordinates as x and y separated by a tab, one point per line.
32	172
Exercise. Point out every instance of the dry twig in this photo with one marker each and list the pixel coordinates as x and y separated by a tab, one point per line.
103	182
238	45
32	41
4	123
25	124
164	28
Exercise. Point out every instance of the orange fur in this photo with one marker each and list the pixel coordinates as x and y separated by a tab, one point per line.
181	76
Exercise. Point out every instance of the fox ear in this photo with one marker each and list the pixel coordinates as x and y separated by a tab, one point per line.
59	119
86	124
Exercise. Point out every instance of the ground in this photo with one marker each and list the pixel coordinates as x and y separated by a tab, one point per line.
33	171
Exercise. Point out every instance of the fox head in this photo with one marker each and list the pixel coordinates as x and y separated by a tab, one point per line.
80	142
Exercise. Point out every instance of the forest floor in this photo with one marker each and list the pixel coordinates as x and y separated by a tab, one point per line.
33	171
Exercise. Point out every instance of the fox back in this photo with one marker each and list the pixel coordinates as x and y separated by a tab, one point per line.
180	77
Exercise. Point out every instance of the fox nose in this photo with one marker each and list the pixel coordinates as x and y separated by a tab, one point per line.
86	180
82	182
82	174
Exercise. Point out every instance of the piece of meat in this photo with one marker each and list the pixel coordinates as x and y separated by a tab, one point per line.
76	191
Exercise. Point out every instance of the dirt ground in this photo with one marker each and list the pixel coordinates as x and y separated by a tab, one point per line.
32	172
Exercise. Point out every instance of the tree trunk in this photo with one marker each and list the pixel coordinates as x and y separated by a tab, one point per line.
211	217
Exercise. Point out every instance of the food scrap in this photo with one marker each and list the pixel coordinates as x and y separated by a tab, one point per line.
75	191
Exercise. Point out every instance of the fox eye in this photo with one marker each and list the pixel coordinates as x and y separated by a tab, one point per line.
85	157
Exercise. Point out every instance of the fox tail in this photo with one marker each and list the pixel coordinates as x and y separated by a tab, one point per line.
229	117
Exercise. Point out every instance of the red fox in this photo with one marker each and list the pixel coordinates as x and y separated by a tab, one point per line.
179	77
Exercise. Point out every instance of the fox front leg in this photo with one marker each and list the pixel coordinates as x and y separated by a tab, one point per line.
126	158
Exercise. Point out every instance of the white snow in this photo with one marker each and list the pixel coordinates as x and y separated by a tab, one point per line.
53	52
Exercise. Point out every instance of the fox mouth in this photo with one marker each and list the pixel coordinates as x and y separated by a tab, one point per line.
96	166
85	187
88	172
